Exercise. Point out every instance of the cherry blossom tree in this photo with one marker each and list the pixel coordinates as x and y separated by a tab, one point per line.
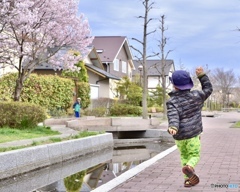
33	32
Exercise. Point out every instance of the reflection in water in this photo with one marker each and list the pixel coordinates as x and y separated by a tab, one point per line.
124	158
74	182
52	177
86	173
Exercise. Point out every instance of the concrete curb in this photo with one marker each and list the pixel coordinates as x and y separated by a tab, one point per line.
54	173
28	159
92	123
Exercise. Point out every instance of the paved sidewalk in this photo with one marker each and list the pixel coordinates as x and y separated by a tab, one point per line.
218	168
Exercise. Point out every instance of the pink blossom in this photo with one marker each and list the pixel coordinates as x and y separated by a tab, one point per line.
36	31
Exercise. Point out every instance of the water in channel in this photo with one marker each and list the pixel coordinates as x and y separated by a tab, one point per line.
85	173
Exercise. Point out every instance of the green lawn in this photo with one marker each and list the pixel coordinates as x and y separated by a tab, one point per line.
8	134
236	125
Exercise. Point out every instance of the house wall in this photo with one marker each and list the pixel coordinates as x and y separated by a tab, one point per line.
153	82
87	60
97	82
4	70
112	91
122	56
130	72
93	78
168	82
94	91
47	72
104	89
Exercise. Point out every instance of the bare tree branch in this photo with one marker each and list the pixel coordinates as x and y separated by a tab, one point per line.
137	40
156	54
168	54
223	82
151	32
137	50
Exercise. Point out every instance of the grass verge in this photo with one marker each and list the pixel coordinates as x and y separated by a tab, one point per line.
236	125
53	140
9	134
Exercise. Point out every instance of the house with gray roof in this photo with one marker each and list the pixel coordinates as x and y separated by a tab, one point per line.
95	70
99	79
116	58
115	54
108	60
156	69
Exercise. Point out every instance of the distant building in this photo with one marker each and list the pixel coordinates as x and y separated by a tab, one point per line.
116	57
155	71
4	69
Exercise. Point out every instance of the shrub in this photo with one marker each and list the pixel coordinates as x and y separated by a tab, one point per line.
159	109
50	91
155	97
102	102
98	112
134	95
130	91
156	108
57	112
123	109
81	82
84	93
21	115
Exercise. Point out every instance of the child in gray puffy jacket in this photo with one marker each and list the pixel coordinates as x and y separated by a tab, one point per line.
185	120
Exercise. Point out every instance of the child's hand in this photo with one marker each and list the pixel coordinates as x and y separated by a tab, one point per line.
199	70
172	131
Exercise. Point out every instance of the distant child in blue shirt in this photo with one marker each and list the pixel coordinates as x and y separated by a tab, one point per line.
77	108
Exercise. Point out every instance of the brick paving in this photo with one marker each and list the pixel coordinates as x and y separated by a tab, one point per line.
219	164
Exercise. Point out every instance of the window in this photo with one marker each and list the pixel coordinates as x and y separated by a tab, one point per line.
116	65
99	51
124	67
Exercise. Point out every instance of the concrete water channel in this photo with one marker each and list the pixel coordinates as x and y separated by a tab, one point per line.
88	171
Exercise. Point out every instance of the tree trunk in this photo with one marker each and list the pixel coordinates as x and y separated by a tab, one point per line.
164	97
18	88
145	93
163	62
145	79
144	57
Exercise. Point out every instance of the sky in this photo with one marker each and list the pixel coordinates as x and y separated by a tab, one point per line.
199	32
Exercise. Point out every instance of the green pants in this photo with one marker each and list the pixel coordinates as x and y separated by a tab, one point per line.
189	151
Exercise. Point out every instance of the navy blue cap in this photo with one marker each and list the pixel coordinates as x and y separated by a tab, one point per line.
181	80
